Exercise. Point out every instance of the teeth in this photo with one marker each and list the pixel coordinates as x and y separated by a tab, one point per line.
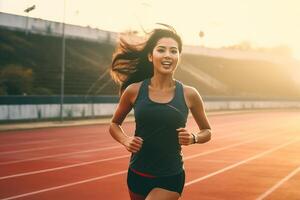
166	63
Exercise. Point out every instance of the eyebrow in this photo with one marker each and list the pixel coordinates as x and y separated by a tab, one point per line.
173	47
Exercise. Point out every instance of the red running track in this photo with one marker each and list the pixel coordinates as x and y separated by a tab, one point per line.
253	155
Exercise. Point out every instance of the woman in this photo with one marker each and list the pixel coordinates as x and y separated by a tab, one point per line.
161	105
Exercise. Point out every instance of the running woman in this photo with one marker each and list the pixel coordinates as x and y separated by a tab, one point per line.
161	104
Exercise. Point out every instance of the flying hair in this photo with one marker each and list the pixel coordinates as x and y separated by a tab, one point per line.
130	62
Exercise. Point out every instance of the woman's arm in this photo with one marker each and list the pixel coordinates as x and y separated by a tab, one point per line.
132	144
195	104
198	112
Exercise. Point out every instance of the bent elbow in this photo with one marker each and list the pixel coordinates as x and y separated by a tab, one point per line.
111	128
208	136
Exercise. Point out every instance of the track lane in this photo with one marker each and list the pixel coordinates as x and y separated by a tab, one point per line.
286	188
81	156
117	178
245	179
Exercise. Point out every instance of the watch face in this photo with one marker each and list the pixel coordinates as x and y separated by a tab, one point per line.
195	138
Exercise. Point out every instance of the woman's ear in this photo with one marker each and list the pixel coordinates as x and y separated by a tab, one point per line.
150	57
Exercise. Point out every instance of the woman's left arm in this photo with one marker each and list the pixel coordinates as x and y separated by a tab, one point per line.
196	105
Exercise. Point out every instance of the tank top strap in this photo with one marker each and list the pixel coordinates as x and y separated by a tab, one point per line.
143	90
179	94
179	99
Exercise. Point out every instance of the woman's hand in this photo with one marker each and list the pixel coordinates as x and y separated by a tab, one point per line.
133	144
185	138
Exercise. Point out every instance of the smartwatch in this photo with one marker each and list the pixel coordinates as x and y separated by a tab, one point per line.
195	138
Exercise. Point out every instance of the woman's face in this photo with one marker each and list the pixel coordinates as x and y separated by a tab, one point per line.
165	56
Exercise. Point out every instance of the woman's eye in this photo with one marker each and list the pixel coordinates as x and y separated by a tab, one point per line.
174	52
160	50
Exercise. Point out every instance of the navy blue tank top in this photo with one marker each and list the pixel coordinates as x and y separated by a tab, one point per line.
156	123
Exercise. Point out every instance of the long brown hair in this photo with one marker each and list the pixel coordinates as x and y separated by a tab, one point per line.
130	62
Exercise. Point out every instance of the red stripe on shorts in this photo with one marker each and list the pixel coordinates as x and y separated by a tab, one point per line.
142	174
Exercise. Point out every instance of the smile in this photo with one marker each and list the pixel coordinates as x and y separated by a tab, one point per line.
166	63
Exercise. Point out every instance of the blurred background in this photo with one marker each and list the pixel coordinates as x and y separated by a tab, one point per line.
55	56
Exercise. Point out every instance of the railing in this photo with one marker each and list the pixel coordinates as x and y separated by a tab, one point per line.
27	108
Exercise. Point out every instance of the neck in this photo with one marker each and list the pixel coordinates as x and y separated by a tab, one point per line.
162	81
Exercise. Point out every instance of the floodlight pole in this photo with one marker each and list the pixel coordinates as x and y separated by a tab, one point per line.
201	35
27	10
62	67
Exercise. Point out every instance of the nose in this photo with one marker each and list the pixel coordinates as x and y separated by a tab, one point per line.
167	54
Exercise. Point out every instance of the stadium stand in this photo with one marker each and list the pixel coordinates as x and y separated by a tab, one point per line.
87	69
246	78
85	61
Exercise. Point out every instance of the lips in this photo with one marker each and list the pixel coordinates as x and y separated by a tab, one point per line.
166	64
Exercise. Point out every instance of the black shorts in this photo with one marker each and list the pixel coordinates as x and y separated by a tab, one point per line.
142	185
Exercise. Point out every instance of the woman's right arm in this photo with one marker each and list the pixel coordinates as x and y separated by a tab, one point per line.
131	143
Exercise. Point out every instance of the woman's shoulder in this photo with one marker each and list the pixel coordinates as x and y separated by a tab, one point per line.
190	91
134	87
191	95
132	90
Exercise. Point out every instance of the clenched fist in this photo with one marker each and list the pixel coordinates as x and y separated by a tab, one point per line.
185	138
133	144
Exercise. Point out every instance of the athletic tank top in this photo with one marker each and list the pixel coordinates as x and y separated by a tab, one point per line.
156	123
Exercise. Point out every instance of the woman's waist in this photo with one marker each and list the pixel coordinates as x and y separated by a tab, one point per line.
157	165
151	176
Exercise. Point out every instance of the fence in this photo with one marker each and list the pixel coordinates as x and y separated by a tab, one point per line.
15	108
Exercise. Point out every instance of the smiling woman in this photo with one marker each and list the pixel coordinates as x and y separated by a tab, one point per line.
161	105
165	56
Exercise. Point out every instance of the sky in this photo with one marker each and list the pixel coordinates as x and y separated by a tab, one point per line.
263	23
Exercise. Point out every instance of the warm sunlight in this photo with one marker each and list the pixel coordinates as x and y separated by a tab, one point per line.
264	23
204	106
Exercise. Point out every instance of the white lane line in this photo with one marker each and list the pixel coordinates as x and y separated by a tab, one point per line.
227	147
119	157
79	152
123	156
25	143
124	171
277	185
66	185
225	124
78	144
52	140
211	161
60	155
254	128
85	143
63	167
240	163
44	148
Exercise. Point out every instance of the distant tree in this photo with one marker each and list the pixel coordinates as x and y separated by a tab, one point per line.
201	35
244	45
16	80
282	50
